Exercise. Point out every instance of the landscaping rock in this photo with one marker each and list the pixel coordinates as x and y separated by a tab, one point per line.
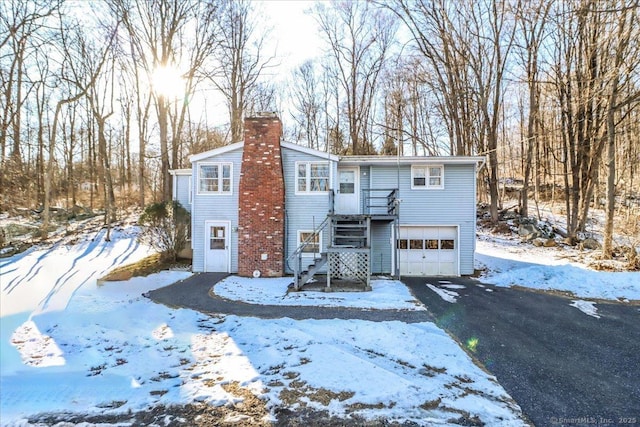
527	229
590	244
549	243
539	242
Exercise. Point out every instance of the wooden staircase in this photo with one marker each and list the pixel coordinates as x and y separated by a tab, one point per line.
347	254
306	275
350	231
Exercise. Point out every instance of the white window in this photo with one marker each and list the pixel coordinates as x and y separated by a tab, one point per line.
312	177
214	178
427	177
313	243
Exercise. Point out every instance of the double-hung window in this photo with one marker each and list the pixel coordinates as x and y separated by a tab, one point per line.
427	177
214	178
312	242
312	177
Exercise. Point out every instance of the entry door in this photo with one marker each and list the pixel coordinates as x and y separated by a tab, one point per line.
216	251
347	197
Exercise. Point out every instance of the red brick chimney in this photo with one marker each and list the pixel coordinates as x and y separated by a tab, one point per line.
261	199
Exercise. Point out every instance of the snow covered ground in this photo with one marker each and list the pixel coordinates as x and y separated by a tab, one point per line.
387	294
510	262
69	345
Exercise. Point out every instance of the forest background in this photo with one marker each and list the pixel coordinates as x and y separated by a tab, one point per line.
99	100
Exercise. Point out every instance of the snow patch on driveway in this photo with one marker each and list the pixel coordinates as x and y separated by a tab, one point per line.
454	286
448	296
587	307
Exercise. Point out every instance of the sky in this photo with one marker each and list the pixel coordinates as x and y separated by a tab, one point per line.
293	37
294	31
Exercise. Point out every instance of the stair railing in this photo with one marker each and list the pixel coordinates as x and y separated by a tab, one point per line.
380	201
297	254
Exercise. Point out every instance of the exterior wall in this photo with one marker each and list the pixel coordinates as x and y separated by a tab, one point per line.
182	190
381	247
453	205
303	211
262	194
365	174
215	207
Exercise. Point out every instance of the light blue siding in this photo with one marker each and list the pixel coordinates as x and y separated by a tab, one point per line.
381	248
303	211
216	207
453	205
182	191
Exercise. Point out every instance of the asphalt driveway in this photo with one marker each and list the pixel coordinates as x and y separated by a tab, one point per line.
562	366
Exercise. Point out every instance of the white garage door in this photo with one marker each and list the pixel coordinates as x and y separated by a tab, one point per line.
428	251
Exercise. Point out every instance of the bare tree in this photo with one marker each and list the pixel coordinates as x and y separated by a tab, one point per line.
440	35
358	36
241	59
467	46
170	34
21	33
307	102
80	81
532	16
623	55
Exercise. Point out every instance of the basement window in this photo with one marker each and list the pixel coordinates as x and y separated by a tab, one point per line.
313	242
214	178
427	177
312	177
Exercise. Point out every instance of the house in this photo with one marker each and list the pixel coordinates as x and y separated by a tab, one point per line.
264	207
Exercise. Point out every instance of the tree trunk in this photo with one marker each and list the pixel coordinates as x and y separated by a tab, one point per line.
44	231
607	245
163	117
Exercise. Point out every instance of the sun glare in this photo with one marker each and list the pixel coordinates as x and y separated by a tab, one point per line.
167	81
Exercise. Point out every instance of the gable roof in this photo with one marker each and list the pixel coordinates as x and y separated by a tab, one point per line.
216	151
311	151
283	144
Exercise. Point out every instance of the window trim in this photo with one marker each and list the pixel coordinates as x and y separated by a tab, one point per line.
427	169
299	242
307	190
220	178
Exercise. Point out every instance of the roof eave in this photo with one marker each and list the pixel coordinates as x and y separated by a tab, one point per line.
216	151
392	160
311	151
180	171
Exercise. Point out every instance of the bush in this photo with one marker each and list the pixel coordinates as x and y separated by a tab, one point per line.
165	227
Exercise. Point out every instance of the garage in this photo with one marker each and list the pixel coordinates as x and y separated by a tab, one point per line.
428	250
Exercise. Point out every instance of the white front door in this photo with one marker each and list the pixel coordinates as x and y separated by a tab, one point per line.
216	246
347	196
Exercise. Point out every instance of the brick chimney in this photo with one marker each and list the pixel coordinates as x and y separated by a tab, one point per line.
261	199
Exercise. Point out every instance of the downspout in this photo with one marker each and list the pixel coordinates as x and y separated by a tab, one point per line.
475	215
396	221
286	237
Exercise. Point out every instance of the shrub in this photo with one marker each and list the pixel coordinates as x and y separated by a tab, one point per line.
165	227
